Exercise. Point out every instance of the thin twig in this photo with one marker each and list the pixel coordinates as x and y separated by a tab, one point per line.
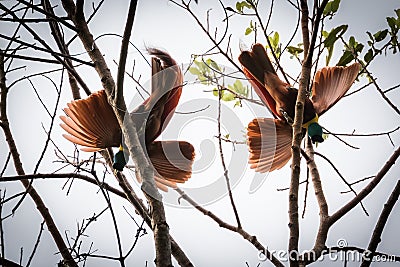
36	244
363	193
52	16
121	258
228	184
343	179
252	239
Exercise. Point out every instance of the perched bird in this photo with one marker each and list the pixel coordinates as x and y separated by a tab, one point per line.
330	84
92	124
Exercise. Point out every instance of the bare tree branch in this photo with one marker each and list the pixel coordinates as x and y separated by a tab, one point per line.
380	224
297	125
119	94
363	193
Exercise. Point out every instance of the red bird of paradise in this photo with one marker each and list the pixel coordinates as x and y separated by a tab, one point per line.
92	124
330	84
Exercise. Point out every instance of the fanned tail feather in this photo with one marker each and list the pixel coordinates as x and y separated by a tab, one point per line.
172	161
269	143
91	123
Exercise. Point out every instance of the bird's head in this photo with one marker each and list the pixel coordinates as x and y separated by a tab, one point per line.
315	132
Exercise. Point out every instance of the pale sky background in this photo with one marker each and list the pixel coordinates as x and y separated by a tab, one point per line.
263	213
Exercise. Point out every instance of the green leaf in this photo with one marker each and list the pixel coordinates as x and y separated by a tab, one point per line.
295	51
228	96
275	45
353	48
241	5
380	35
371	37
329	56
334	34
330	39
238	88
368	56
238	103
215	92
201	66
335	5
327	9
213	64
358	48
392	23
203	79
194	71
248	31
352	41
275	40
331	7
397	12
346	58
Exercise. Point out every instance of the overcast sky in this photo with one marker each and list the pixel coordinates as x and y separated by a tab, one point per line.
263	212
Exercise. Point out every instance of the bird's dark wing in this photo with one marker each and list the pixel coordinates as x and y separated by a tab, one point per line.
269	142
330	84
